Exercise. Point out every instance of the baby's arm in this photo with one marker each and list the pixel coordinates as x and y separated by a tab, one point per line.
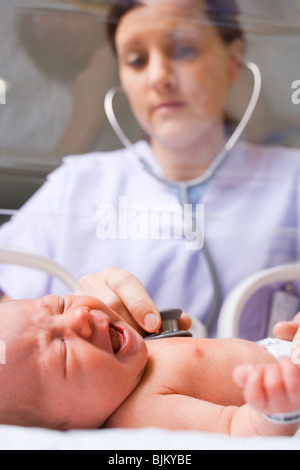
271	388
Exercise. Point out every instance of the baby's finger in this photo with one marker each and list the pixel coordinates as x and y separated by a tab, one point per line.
241	374
275	389
286	330
291	377
254	391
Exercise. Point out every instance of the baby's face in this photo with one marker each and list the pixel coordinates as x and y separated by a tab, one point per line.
86	359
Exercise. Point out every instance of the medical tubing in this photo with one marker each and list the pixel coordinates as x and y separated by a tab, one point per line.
184	187
239	129
251	106
40	263
109	111
217	295
208	174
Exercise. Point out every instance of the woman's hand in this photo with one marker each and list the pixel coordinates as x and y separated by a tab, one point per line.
290	331
125	294
287	330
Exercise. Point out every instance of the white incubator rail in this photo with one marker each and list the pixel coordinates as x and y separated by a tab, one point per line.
229	318
40	263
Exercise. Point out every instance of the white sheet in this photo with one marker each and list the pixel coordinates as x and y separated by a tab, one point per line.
18	438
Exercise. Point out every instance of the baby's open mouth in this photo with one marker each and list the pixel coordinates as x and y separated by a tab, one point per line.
116	338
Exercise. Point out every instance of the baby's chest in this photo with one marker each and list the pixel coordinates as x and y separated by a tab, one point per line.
179	369
194	369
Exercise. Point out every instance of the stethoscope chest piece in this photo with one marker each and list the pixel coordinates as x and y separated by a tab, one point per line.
169	326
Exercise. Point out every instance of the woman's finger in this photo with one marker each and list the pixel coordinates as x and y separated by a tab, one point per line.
286	330
134	297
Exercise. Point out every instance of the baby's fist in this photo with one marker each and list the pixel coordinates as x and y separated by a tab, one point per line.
271	388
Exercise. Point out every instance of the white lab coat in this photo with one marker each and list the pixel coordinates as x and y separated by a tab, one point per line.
251	211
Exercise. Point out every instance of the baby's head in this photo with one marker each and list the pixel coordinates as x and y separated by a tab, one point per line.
70	362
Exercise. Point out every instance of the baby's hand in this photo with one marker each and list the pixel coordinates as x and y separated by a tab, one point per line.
271	388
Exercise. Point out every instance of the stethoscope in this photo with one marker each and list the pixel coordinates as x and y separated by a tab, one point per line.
169	326
185	186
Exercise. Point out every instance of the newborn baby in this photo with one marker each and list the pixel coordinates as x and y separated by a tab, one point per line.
73	362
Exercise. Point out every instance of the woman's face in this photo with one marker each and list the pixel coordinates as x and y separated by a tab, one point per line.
175	72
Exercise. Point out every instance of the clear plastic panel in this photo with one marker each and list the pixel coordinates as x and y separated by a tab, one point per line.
55	57
56	66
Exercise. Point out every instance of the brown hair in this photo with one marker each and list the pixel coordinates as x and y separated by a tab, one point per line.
222	13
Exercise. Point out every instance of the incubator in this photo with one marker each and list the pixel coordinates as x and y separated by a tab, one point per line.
64	117
86	182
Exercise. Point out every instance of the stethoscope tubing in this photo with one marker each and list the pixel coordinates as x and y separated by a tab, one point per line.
184	186
109	111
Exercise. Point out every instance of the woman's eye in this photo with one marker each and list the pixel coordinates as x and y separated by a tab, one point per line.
135	60
183	51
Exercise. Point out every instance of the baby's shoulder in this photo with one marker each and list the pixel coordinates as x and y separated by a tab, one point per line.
160	380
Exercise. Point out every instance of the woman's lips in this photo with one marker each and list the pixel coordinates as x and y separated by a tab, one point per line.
168	106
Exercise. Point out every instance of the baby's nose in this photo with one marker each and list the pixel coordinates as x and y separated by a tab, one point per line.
79	321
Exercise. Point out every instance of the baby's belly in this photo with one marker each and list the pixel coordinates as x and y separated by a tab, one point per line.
203	368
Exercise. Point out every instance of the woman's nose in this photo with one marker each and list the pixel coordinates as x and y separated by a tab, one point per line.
78	321
161	75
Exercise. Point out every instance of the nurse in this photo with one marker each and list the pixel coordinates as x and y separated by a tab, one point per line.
177	61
